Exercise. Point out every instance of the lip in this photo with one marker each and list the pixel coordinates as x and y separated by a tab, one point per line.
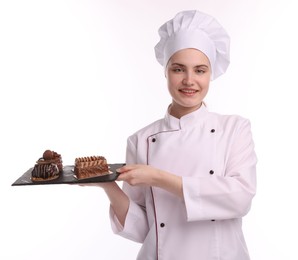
188	91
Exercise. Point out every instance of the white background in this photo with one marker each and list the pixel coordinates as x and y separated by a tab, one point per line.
80	76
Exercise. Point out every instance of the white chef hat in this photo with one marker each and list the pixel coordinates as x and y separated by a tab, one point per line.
194	29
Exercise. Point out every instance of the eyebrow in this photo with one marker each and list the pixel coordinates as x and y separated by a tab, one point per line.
182	65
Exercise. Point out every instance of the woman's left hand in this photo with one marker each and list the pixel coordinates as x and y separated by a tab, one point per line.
138	174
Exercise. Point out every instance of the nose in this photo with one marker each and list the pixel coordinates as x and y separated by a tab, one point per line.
188	79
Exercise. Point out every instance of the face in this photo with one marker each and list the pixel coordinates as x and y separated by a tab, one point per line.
188	76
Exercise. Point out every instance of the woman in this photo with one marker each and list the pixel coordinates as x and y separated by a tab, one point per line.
191	176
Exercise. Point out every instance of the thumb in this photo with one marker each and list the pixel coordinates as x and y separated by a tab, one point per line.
125	168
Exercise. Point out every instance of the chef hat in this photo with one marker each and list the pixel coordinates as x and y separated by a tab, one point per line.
193	29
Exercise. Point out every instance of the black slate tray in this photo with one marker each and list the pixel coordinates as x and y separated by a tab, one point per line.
68	177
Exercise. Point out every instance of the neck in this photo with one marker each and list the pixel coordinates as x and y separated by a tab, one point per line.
179	111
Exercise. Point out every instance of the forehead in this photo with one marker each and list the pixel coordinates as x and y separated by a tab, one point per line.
192	57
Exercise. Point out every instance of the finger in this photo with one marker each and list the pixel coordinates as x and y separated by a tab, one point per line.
125	176
121	177
125	168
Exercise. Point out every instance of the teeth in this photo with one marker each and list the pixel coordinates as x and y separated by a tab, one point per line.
188	90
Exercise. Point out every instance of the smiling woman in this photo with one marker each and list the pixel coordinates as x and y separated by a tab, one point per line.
192	172
188	75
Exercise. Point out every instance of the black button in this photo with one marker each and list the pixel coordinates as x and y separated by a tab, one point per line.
212	219
211	171
153	140
212	130
162	225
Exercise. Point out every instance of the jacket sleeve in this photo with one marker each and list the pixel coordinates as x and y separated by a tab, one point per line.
228	195
136	224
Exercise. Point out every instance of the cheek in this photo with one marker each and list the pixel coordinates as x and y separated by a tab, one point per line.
205	90
205	83
172	81
171	86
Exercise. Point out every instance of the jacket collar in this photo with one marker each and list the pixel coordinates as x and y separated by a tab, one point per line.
188	121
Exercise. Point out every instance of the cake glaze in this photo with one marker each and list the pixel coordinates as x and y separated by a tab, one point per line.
49	167
91	166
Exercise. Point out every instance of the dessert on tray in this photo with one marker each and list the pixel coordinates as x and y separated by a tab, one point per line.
48	167
91	166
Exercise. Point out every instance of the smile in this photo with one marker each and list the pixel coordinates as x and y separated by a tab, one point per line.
188	91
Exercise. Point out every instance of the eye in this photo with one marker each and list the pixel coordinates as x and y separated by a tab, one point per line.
177	69
200	71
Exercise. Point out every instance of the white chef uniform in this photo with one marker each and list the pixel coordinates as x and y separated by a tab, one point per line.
215	156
